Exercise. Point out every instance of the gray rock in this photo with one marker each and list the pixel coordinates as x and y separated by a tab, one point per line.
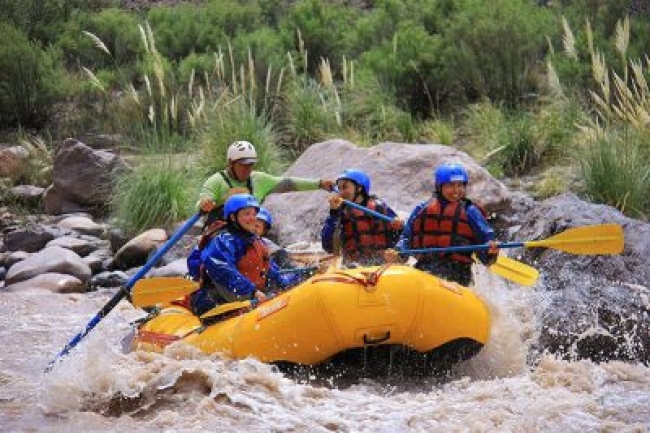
51	259
401	174
55	203
108	279
173	269
79	246
28	194
83	225
599	306
57	283
137	250
15	257
31	238
95	263
83	175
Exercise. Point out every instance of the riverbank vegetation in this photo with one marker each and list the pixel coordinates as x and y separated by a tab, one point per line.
556	90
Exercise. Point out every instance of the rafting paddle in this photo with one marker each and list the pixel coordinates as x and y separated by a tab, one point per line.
162	290
586	240
125	290
514	270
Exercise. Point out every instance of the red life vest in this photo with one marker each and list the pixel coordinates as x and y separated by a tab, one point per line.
255	264
364	235
438	227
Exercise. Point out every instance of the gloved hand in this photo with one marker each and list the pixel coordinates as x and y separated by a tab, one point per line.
207	204
396	224
326	184
335	201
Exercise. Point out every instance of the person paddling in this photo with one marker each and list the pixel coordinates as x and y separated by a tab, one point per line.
239	177
236	264
449	218
362	238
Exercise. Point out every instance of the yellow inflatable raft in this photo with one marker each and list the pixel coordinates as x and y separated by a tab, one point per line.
333	313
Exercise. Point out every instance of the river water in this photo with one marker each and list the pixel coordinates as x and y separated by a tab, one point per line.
100	388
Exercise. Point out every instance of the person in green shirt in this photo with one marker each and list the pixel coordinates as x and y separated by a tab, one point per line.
239	177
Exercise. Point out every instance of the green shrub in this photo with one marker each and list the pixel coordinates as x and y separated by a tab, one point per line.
416	76
556	127
31	80
519	150
482	123
43	20
498	45
321	26
154	194
118	32
616	171
184	29
437	131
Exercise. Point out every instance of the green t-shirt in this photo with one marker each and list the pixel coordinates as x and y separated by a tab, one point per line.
216	187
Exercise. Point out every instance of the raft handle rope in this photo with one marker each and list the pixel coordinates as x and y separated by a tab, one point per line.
368	280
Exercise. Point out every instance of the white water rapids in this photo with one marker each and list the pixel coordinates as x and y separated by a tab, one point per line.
98	388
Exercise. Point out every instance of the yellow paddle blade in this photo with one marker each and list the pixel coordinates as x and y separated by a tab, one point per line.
597	239
225	308
161	290
514	270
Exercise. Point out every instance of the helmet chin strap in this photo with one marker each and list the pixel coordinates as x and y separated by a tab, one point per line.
231	170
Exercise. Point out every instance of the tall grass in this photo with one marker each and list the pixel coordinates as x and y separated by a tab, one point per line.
156	115
241	105
615	168
233	120
616	172
151	196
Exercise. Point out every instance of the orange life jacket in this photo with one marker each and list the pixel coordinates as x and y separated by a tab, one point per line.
438	227
255	264
362	234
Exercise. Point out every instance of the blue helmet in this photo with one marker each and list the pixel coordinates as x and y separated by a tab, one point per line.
264	215
450	172
357	176
237	202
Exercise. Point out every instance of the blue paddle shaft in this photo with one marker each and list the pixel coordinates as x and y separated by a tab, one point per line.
370	212
462	248
125	290
458	249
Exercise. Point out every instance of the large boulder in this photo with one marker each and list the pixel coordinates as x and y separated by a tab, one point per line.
599	305
82	176
401	175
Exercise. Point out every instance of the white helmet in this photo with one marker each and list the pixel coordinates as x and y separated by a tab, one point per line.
242	152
